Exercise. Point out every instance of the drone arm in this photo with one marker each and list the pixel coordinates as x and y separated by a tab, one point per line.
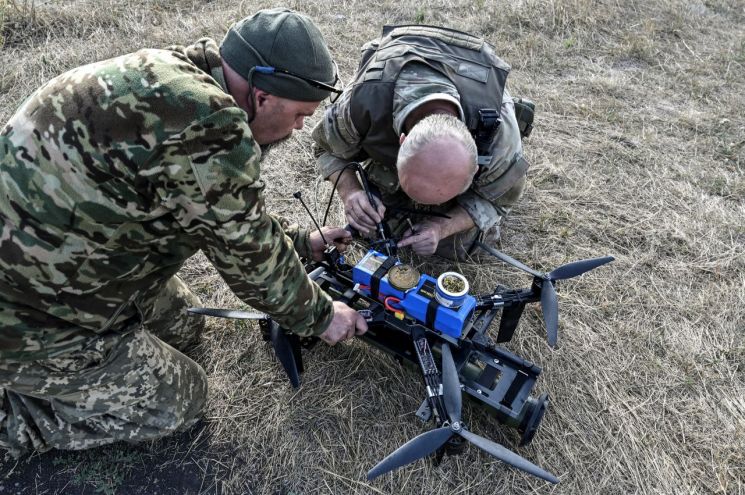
508	298
432	377
512	303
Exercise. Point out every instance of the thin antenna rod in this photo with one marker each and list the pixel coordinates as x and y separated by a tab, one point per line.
299	196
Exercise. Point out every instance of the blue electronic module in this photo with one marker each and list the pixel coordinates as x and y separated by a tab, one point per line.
418	303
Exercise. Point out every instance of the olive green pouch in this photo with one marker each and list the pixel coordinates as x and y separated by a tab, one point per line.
524	111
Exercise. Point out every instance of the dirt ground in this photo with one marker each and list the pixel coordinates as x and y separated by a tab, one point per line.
638	152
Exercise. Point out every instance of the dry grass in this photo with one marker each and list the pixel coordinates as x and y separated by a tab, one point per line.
638	152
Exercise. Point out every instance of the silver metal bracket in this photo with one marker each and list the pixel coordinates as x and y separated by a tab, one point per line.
424	412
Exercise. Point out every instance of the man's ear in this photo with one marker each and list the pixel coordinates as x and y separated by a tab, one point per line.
401	139
260	96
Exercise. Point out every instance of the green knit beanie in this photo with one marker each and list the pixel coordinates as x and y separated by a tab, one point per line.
285	40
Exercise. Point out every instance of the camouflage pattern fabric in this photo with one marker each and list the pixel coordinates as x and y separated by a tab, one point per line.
132	388
111	176
337	142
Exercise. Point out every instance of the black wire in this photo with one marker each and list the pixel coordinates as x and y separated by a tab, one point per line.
299	196
336	183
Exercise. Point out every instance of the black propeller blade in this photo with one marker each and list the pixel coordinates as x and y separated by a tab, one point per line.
550	309
577	268
507	456
280	341
416	448
507	259
450	385
549	301
283	351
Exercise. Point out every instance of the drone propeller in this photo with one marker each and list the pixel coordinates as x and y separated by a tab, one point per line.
577	268
549	301
284	353
450	385
280	341
413	450
228	313
429	442
508	259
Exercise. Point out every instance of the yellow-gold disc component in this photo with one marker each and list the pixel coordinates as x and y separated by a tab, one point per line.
403	277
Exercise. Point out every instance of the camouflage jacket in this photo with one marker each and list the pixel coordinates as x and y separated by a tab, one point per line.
111	176
337	142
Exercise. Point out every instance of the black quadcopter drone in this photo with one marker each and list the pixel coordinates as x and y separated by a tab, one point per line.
422	320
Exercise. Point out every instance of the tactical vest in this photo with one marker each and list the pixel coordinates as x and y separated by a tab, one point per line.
468	61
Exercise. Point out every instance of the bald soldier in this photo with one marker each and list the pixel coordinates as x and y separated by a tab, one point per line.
429	116
113	174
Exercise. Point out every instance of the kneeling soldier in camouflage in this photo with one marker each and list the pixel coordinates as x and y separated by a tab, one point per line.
429	114
112	175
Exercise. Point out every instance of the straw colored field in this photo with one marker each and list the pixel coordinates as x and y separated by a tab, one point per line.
638	152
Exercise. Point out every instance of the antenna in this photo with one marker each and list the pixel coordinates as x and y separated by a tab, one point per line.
298	195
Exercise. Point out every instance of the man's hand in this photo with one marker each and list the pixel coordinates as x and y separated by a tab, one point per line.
340	237
423	238
346	324
360	213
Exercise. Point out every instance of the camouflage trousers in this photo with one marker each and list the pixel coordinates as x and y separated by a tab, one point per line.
132	387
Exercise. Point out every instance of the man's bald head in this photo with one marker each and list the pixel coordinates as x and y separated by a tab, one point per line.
437	160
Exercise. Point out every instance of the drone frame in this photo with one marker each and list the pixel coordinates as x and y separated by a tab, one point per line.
471	365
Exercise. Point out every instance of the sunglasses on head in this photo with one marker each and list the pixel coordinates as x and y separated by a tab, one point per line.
264	69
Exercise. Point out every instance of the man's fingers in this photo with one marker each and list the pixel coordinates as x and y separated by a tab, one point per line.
360	325
354	223
422	243
371	212
407	233
381	210
365	214
348	324
410	240
407	241
374	214
367	209
342	246
338	235
425	248
361	219
335	232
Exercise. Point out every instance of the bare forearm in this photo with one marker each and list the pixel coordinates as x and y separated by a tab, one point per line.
459	221
347	184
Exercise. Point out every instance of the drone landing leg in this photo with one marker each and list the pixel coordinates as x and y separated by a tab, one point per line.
297	352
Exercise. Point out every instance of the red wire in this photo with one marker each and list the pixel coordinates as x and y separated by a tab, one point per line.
388	306
387	301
